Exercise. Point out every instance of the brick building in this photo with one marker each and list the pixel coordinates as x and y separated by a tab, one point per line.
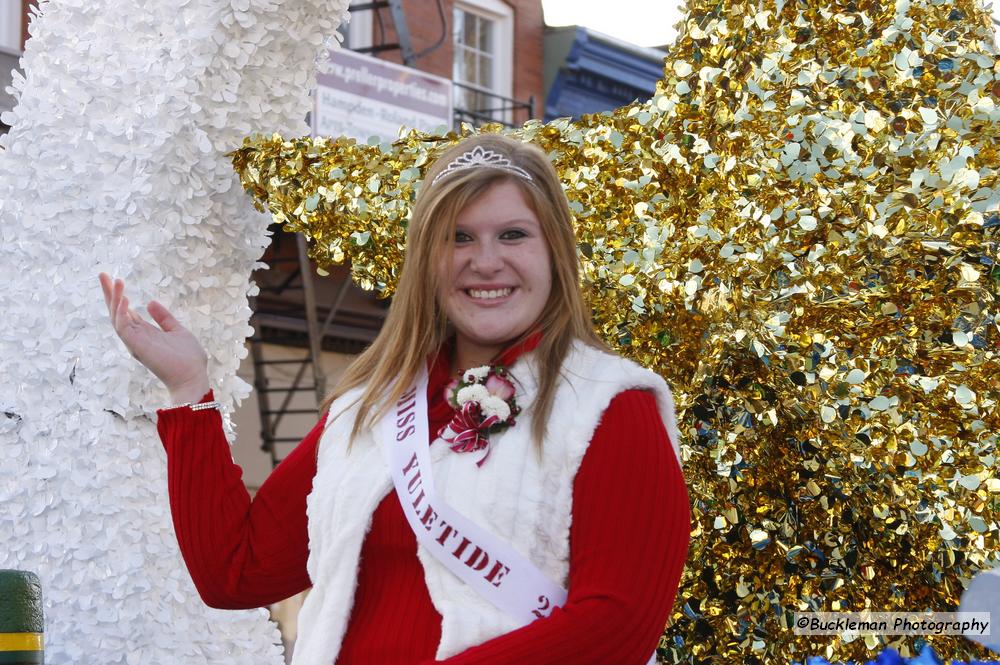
471	42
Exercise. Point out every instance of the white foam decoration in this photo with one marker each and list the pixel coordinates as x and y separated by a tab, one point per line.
116	162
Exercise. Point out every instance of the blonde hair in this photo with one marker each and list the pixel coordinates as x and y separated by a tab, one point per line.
417	326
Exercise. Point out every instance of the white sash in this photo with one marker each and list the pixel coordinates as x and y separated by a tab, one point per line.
488	564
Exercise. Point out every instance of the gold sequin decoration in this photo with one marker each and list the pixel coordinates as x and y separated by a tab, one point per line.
803	221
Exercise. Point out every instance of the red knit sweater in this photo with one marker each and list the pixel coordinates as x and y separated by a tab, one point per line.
628	541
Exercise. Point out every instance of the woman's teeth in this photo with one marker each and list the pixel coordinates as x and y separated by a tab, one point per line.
489	295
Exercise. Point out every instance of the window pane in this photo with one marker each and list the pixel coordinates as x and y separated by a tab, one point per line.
486	30
458	26
486	102
485	73
471	29
471	67
456	71
467	66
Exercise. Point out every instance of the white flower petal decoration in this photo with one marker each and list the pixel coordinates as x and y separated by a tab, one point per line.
116	162
476	374
494	406
473	393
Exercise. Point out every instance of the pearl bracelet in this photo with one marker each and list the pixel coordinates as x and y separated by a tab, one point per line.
199	407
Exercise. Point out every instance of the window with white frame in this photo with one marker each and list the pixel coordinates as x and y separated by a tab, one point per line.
483	35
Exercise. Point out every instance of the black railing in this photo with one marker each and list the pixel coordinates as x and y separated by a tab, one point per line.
477	106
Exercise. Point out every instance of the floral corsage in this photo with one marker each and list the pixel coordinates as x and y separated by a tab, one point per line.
484	403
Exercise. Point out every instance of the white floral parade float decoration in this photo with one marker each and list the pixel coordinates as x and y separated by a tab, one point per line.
116	162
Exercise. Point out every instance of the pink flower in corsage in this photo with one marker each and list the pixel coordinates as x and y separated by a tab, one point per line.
500	386
484	403
450	389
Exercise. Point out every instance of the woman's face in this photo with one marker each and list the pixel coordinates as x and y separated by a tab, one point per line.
500	274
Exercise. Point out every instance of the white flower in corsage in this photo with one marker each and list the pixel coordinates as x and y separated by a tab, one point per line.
473	393
484	403
476	374
494	407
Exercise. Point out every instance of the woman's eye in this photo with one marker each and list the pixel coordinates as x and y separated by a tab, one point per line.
461	236
513	234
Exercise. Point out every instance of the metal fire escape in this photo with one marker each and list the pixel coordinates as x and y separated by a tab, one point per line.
402	43
295	318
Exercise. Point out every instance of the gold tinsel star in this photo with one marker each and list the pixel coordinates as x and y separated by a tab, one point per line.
804	222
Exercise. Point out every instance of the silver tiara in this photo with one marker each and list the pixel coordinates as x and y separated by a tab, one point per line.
478	157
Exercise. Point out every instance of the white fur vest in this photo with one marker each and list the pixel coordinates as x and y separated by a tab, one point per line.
519	496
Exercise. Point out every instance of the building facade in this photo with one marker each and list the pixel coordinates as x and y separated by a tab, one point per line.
589	72
471	42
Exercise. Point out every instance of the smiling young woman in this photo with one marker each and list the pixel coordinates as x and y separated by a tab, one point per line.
563	543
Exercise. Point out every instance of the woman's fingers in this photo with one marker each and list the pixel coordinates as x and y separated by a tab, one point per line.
116	295
124	319
162	316
129	317
105	288
121	315
108	289
116	315
114	298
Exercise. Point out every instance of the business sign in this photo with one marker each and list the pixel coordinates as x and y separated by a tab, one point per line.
361	97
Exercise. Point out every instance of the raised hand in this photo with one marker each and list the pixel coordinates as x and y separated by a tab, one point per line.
169	351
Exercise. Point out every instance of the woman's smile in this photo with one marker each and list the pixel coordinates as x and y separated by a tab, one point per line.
490	295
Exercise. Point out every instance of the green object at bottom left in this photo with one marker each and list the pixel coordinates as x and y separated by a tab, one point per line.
21	621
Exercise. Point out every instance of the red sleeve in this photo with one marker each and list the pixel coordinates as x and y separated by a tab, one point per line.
628	543
240	553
